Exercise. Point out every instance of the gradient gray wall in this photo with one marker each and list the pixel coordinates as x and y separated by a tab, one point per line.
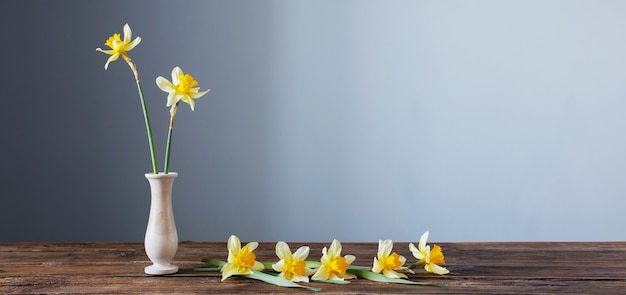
355	120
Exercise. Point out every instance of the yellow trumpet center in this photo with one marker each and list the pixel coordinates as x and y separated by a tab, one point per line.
392	261
339	265
115	43
293	268
186	82
245	259
436	255
296	267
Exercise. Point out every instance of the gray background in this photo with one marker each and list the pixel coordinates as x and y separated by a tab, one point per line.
355	120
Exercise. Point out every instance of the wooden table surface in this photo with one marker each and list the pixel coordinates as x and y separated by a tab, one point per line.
475	268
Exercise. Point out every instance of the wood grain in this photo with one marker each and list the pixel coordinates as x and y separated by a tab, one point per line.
475	268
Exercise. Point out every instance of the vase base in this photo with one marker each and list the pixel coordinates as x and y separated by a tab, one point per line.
161	269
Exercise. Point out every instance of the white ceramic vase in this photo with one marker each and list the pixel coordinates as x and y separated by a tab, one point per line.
161	240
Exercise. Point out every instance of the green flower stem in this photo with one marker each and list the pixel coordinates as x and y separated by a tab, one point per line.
336	282
167	151
278	281
169	138
377	277
213	262
206	269
148	128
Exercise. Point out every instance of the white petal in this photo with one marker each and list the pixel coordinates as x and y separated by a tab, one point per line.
177	97
324	254
348	276
350	258
228	270
384	248
251	246
335	249
234	244
198	94
282	250
393	274
258	266
190	101
377	267
300	279
302	253
423	239
436	269
107	51
131	45
127	34
402	259
175	72
322	273
308	271
171	99
164	84
279	266
112	58
416	252
381	249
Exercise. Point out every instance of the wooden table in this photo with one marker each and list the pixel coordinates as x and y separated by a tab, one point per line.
485	268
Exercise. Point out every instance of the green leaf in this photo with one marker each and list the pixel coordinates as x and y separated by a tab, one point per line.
213	262
372	276
356	267
278	281
313	264
261	276
338	282
267	264
199	269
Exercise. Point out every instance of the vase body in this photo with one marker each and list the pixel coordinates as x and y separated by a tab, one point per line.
161	241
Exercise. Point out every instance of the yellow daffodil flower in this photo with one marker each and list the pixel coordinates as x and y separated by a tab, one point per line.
333	265
387	261
182	88
119	46
241	261
427	257
292	267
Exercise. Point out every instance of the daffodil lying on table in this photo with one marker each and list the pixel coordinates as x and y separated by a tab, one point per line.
388	262
292	266
427	257
332	267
